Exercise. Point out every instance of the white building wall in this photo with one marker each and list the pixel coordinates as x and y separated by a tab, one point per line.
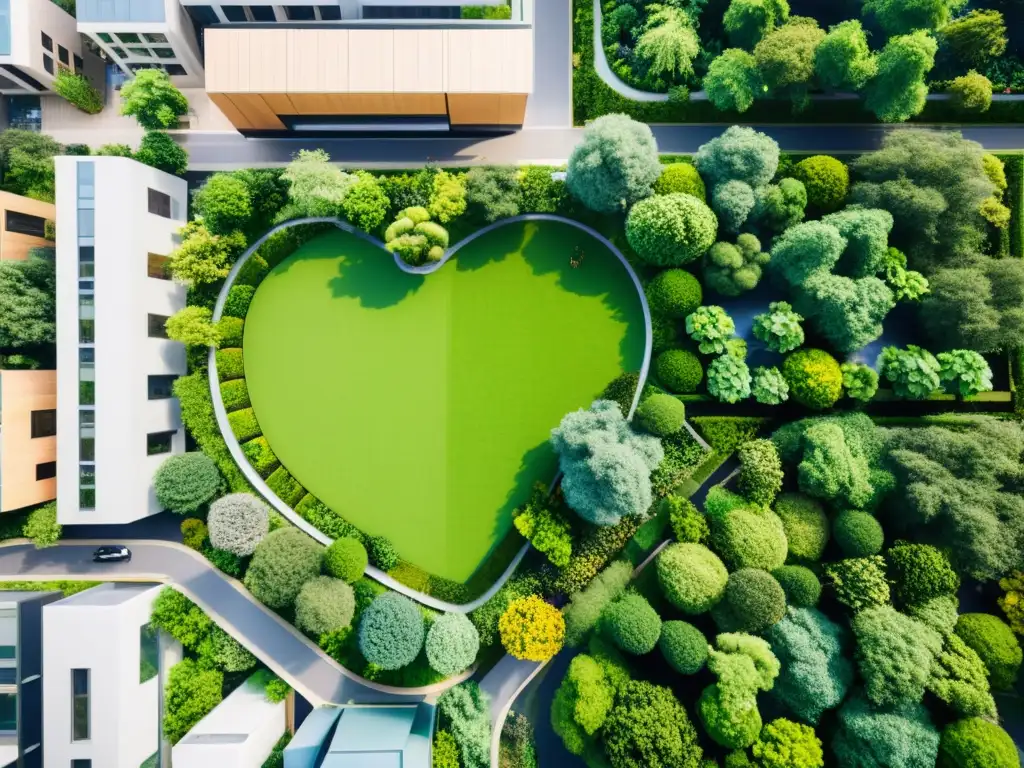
125	356
29	19
99	630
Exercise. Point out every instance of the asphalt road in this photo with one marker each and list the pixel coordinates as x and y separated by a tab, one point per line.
218	151
268	637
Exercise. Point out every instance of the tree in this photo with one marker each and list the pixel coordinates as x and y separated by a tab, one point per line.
785	58
494	192
753	602
678	370
238	522
346	559
632	624
193	325
974	742
838	458
894	655
614	165
744	665
919	573
684	647
671	230
732	269
740	154
814	377
960	680
28	290
160	151
77	91
729	379
901	17
858	534
674	292
843	61
187	482
585	607
779	327
324	605
807	249
971	92
606	466
868	735
780	206
805	523
391	631
732	201
825	179
898	91
26	163
913	372
681	177
661	415
906	284
42	526
748	21
711	327
182	619
648	727
316	188
191	693
452	644
447	197
365	205
732	80
846	312
761	474
223	203
532	629
283	562
204	257
964	372
785	744
581	704
467	710
976	308
692	577
976	38
995	644
669	43
867	239
152	99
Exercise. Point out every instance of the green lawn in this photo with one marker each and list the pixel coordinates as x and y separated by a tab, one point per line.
419	407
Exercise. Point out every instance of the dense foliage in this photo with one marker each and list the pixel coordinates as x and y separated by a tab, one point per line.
391	631
282	563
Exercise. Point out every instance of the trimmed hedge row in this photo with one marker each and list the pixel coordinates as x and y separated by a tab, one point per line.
229	364
261	456
244	425
287	488
1014	200
235	394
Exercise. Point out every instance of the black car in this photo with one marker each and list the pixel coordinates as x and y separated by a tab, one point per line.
112	553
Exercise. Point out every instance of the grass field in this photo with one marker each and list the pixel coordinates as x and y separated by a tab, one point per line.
419	407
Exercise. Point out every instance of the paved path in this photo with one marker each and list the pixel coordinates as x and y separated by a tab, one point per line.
550	104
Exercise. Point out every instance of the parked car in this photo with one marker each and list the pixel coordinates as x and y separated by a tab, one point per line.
112	553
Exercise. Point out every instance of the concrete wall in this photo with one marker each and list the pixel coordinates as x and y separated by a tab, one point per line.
14	245
29	18
22	392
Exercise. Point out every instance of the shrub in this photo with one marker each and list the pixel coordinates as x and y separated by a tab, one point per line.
779	328
158	150
729	379
913	372
964	372
732	201
324	605
684	647
179	617
244	425
711	327
238	522
746	538
858	534
632	624
826	180
753	602
153	100
187	482
260	456
814	377
661	415
545	526
679	371
649	727
235	395
805	524
959	679
581	704
976	743
223	652
738	153
540	192
859	582
382	552
452	644
531	629
283	561
859	381
671	230
894	655
689	526
229	364
971	92
615	164
238	300
692	577
994	642
760	472
77	91
192	326
744	665
494	191
42	526
674	293
467	711
801	586
391	631
365	204
285	486
920	572
680	177
1011	602
869	736
445	753
230	563
191	693
785	744
223	203
486	617
585	607
230	330
346	559
769	386
193	533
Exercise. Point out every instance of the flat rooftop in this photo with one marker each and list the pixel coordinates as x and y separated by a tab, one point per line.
105	595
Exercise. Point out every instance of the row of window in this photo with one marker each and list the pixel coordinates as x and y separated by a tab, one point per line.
63	55
86	372
157	266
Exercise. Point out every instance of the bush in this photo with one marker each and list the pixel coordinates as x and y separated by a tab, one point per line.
859	381
231	329
445	753
679	371
671	230
42	526
223	203
382	553
649	727
158	150
615	164
365	204
1011	602
452	644
801	586
692	577
494	192
581	704
223	652
324	605
540	192
391	631
913	372
779	328
859	582
920	572
684	647
238	300
760	472
858	534
674	293
661	415
805	524
814	377
747	538
689	525
769	386
190	695
680	177
235	395
753	602
77	91
632	624
738	153
894	655
785	744
467	711
286	487
531	629
585	607
260	456
229	364
244	425
994	642
729	379
187	482
712	328
971	92
283	561
238	522
977	743
228	562
826	180
193	533
744	665
886	737
346	559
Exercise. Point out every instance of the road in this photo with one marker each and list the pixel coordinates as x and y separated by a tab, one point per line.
218	151
267	636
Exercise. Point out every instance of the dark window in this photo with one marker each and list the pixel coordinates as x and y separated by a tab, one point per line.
25	78
26	224
62	54
411	12
164	53
175	70
203	15
159	203
81	763
44	423
149	652
80	704
234	12
105	37
8	712
160	387
142	53
128	37
157	326
154	37
300	12
158	266
159	442
330	13
47	42
48	64
86	261
46	470
7	652
119	52
87	498
262	13
86	222
79	64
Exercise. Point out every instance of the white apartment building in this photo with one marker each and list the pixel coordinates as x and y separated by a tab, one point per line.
117	419
104	678
207	12
36	37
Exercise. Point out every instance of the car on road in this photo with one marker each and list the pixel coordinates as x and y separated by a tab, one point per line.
112	553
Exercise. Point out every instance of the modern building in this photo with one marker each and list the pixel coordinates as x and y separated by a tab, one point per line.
369	736
117	418
36	38
23	224
21	682
105	671
205	12
240	732
28	438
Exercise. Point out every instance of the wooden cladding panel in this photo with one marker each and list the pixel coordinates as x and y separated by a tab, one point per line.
487	108
231	112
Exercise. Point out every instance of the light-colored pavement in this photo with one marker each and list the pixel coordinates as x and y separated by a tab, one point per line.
550	104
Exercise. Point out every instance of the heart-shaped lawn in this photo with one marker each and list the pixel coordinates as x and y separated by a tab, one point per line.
419	406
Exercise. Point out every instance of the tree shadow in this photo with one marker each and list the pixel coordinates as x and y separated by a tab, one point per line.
538	465
369	274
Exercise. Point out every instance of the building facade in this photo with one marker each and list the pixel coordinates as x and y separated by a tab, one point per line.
36	38
28	438
23	225
105	673
117	418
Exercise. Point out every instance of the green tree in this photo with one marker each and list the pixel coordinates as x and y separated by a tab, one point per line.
732	81
859	381
867	239
780	206
769	386
493	191
77	91
761	475
26	163
843	61
779	328
710	326
203	257
669	43
814	377
614	165
805	250
190	695
965	372
785	58
187	482
324	605
632	624
729	379
223	203
913	372
869	735
27	304
733	269
283	562
193	325
585	607
901	17
365	203
316	188
160	151
661	415
670	230
739	153
898	91
977	306
785	744
743	665
894	655
976	38
42	526
581	704
825	179
974	742
747	21
153	100
452	643
182	619
846	312
971	92
647	727
960	680
732	201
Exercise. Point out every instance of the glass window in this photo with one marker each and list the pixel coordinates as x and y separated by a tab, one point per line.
47	41
86	261
330	12
159	203
164	53
44	423
80	704
8	652
128	37
79	763
105	37
86	222
157	326
86	319
300	13
79	64
62	54
86	377
5	27
87	498
119	52
25	224
159	442
262	13
46	471
8	712
202	15
149	652
154	37
158	266
160	387
86	180
48	64
234	12
175	70
87	437
142	53
87	475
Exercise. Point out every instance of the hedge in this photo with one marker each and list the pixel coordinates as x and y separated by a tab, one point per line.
231	331
285	486
1013	199
229	364
727	433
244	425
235	394
327	521
193	393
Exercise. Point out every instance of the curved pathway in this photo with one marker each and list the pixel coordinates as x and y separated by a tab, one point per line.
291	515
280	646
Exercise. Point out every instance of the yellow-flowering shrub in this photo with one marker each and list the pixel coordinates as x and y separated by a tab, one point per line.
532	629
1012	602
